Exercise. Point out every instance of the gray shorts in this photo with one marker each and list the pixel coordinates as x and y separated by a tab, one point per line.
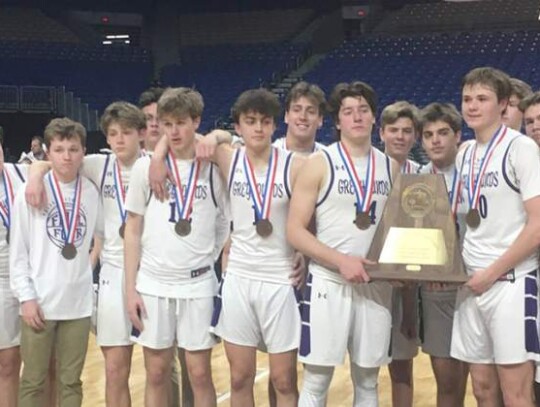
437	319
403	348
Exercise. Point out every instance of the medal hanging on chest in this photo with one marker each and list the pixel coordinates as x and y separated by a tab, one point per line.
183	197
69	221
5	207
363	193
262	201
473	218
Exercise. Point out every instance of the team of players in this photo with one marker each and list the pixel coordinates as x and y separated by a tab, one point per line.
160	241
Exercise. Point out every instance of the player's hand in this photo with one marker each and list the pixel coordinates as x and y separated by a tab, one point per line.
205	147
32	315
35	193
481	281
352	269
298	275
136	310
438	286
157	176
408	326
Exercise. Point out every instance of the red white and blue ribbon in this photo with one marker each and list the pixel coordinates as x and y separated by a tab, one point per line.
473	182
68	221
262	202
120	192
183	197
364	192
5	208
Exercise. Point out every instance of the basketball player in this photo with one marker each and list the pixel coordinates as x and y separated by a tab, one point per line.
513	117
399	125
123	125
530	108
50	271
258	303
148	104
170	296
440	130
12	176
495	323
304	110
341	313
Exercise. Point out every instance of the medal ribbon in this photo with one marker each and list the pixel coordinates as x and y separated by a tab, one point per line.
69	223
5	208
406	167
261	204
453	194
365	193
120	192
473	183
184	196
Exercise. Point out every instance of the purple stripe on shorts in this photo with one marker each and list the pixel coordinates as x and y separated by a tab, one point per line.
217	305
532	343
305	334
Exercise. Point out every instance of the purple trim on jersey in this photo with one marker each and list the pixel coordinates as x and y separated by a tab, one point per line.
504	172
104	174
211	180
218	303
389	169
231	174
532	343
286	174
305	334
332	176
19	173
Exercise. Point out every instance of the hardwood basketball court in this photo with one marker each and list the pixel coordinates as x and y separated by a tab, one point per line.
340	391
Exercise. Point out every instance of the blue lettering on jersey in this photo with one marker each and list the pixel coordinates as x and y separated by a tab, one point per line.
241	188
346	187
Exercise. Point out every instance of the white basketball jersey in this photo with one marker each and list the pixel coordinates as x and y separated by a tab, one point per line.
282	143
455	191
171	264
16	175
511	177
252	256
410	167
101	171
336	207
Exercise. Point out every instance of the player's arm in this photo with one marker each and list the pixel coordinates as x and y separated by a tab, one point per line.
299	272
525	159
306	188
136	204
216	146
21	281
132	256
35	188
97	246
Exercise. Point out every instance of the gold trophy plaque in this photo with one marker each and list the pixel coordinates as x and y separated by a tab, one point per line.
416	238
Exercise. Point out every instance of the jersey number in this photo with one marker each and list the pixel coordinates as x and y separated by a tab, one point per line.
482	206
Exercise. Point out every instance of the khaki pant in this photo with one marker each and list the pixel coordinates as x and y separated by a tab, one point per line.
70	339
